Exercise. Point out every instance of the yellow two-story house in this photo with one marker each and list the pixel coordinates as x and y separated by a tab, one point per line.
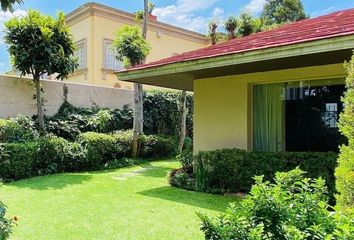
94	25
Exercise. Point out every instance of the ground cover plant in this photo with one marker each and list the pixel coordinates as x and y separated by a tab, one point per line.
128	203
294	207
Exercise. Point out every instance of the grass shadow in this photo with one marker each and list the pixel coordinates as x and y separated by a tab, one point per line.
197	199
56	181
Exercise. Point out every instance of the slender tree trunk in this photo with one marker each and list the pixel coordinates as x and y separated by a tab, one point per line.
40	110
138	125
184	111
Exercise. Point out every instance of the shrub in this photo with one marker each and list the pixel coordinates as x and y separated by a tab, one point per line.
18	129
183	178
153	146
58	155
6	224
345	170
185	158
100	148
293	207
17	160
232	170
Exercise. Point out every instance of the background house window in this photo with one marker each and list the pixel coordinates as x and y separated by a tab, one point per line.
297	116
80	54
110	60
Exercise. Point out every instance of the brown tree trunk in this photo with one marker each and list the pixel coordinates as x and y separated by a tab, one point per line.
138	97
184	111
40	110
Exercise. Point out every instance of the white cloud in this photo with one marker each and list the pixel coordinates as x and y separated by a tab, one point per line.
182	14
5	16
218	12
254	6
323	12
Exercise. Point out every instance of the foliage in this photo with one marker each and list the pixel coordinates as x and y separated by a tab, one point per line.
282	11
345	170
183	178
6	224
247	24
232	170
7	5
162	114
92	151
100	120
293	207
130	46
39	44
100	149
230	26
18	129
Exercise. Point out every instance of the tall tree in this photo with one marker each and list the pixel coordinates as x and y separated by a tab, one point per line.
7	5
345	169
38	45
282	11
132	48
212	31
230	26
247	24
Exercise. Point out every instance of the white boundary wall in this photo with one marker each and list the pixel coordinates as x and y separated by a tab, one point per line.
17	96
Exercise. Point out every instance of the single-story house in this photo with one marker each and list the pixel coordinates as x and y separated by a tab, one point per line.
278	90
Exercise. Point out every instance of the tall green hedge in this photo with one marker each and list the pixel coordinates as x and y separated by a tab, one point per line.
345	170
232	170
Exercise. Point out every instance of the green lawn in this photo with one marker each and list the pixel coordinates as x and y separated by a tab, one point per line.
132	203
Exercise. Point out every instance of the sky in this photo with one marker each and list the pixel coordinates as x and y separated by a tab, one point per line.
191	14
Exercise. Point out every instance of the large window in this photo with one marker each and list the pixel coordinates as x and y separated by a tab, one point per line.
297	116
80	54
110	60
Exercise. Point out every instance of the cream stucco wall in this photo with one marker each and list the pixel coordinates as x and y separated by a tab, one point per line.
223	106
96	28
16	96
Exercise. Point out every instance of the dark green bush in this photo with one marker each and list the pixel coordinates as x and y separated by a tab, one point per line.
58	155
293	208
17	160
232	170
18	129
154	146
100	148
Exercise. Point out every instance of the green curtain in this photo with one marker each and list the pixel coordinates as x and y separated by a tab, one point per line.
268	118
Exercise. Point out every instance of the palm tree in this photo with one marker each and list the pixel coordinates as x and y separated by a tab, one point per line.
7	5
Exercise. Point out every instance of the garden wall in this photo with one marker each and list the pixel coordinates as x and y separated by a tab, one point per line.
17	96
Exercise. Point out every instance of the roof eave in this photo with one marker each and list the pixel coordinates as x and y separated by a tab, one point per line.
312	47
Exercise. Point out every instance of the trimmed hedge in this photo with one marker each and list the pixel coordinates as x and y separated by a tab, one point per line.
233	170
93	151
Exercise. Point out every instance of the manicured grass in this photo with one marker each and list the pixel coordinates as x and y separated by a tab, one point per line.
132	203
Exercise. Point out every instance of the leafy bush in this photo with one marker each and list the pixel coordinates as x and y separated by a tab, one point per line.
293	207
6	224
183	178
185	158
100	148
232	170
153	146
18	129
17	160
345	170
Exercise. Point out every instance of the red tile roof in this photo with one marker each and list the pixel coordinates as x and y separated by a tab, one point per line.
336	24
